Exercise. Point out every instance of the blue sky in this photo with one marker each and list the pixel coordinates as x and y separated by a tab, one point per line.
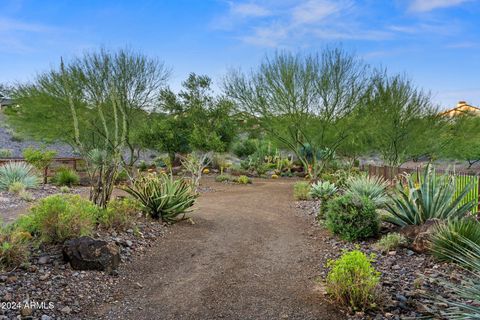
435	42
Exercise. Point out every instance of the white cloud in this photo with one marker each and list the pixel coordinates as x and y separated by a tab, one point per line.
315	11
10	25
249	10
429	5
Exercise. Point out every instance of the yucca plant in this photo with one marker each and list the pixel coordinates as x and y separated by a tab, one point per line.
17	172
162	196
466	253
433	197
323	190
446	237
374	188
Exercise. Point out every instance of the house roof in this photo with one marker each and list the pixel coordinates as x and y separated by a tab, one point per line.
461	109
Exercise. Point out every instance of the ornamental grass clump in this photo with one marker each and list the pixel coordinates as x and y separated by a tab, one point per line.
162	196
433	197
391	242
17	172
14	250
301	190
353	281
374	188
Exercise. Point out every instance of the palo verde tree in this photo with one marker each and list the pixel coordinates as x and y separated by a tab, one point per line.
303	101
91	101
402	122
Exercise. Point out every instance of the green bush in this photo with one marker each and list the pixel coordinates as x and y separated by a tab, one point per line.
448	239
6	153
390	242
119	214
16	187
22	172
244	148
224	178
244	180
322	190
64	189
353	281
374	188
122	176
434	198
301	190
14	249
162	196
66	177
352	218
60	217
40	159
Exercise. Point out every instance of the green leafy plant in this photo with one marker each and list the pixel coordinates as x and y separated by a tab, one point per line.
353	281
119	214
16	187
40	159
58	217
6	153
12	172
301	190
352	218
66	177
374	188
449	239
322	190
244	148
435	197
244	180
162	196
390	242
224	178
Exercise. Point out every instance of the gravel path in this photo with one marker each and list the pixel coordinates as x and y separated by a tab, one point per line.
247	256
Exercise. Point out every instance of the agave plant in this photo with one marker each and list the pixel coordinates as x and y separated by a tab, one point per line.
322	190
17	172
433	198
373	188
163	196
466	253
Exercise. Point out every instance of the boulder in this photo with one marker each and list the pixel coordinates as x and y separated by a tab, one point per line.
419	236
86	253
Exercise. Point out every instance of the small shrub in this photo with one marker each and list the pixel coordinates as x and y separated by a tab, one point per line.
64	189
390	242
352	218
119	214
16	187
301	190
449	239
14	249
6	153
122	176
142	166
60	217
66	177
322	190
12	172
162	196
373	188
224	178
353	281
244	180
26	196
245	148
40	159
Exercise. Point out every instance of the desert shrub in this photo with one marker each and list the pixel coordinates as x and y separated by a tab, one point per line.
390	242
352	218
6	153
162	196
435	197
224	178
237	170
353	281
12	172
244	148
14	249
301	190
64	189
60	217
40	159
322	190
122	176
26	196
142	166
16	187
244	180
449	239
119	214
374	188
66	177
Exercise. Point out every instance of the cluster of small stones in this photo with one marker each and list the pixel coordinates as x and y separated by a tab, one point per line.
48	288
410	281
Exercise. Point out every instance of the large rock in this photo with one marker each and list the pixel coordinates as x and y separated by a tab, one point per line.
419	236
86	253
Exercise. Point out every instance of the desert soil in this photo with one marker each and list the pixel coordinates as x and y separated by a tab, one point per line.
248	255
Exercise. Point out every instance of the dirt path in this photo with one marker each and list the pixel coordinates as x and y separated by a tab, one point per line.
248	256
